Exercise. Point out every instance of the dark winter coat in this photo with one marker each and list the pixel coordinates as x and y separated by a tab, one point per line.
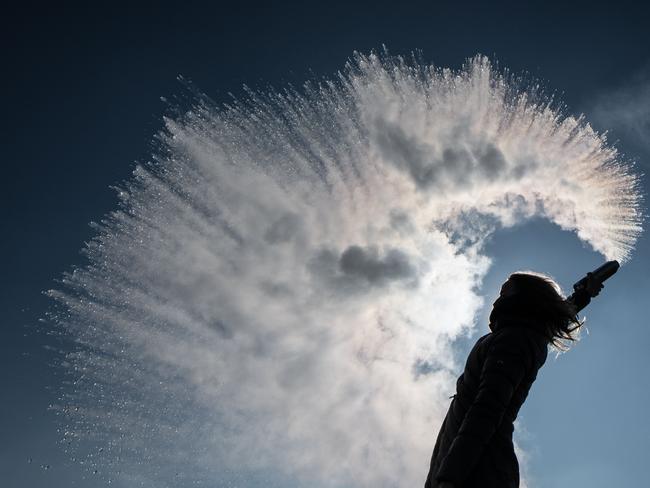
474	447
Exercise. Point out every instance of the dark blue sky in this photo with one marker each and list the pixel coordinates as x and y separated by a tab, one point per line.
81	90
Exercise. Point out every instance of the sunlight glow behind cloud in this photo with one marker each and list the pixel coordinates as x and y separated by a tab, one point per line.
280	287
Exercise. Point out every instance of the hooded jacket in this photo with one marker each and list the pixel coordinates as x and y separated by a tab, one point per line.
474	447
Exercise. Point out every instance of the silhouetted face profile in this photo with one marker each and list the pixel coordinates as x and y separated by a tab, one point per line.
534	299
505	300
509	288
525	295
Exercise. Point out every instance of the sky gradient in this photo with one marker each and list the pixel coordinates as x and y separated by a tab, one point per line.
83	93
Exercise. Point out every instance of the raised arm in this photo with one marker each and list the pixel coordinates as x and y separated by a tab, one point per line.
582	296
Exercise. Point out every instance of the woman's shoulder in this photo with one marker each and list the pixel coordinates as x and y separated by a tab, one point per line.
522	339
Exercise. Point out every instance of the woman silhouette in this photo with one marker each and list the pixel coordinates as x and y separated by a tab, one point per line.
474	446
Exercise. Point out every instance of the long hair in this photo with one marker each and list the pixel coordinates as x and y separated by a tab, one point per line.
539	297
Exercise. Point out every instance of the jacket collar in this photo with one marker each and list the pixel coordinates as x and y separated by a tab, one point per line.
513	321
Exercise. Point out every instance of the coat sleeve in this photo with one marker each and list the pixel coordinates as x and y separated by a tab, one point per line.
509	358
580	299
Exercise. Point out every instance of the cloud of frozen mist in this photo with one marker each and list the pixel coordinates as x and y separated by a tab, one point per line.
279	289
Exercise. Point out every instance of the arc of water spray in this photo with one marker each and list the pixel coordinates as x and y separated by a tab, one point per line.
279	288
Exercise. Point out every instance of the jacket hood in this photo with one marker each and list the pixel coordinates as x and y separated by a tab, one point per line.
514	311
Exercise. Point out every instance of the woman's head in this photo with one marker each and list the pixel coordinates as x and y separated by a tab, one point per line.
537	298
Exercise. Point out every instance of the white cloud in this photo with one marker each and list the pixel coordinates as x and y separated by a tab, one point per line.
279	291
